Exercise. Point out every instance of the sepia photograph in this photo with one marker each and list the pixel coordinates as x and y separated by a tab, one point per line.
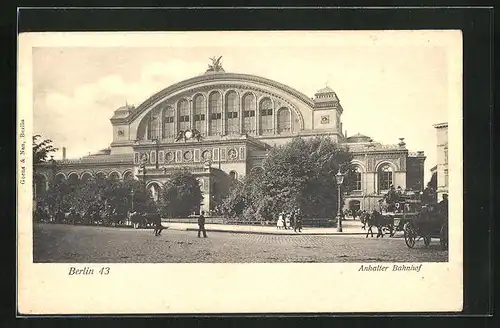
244	147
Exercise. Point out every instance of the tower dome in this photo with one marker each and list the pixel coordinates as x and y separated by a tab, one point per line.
326	94
358	138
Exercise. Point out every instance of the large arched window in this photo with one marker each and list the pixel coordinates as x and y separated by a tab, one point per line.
356	177
168	122
249	113
385	177
60	178
183	108
128	175
215	112
200	113
154	125
155	190
86	177
232	108
73	178
266	116
283	120
114	176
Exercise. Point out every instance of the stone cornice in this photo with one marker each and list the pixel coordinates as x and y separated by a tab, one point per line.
207	78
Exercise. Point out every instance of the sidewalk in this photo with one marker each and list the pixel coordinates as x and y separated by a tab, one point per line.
349	227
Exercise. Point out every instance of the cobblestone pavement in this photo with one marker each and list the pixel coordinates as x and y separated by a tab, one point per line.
85	244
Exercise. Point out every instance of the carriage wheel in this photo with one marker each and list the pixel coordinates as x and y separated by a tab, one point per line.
427	240
409	236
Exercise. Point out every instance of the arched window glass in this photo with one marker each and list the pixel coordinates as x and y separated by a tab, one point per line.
114	176
73	178
266	116
59	178
154	125
215	109
232	108
128	175
283	120
154	189
86	177
356	174
168	122
200	113
385	177
249	114
183	108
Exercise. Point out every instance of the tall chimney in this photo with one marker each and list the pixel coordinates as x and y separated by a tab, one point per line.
64	153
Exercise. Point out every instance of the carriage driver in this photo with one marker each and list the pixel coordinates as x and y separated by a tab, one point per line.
443	205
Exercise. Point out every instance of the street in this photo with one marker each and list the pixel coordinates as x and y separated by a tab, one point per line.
54	243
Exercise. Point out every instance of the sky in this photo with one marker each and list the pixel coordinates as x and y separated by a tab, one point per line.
387	89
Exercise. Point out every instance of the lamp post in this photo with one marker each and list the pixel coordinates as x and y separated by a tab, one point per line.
132	199
340	179
157	142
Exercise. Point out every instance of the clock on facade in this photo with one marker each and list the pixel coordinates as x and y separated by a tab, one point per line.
120	132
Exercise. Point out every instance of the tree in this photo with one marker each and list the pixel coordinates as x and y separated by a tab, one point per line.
182	195
300	174
433	181
41	149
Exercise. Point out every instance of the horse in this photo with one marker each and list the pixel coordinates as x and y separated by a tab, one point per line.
381	222
363	218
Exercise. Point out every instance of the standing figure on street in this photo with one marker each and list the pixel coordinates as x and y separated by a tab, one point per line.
443	205
156	218
288	221
201	225
298	221
280	222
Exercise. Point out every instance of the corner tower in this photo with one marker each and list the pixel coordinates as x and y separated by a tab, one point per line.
327	111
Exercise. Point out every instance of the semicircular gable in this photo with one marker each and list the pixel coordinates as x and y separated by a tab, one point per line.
230	80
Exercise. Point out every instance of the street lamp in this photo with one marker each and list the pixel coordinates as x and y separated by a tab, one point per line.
132	199
340	179
157	142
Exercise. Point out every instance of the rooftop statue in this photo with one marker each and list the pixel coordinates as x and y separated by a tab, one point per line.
216	65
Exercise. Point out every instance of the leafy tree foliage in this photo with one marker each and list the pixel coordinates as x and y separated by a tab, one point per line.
41	149
181	195
433	181
97	194
299	174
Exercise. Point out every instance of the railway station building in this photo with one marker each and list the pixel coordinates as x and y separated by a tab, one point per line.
239	117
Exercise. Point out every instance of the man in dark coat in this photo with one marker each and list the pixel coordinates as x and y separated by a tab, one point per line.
156	219
201	225
443	205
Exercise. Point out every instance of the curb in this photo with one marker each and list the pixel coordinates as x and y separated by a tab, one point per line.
272	233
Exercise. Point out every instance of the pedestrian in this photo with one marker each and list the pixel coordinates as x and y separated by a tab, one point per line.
280	223
287	221
201	225
298	220
294	220
156	218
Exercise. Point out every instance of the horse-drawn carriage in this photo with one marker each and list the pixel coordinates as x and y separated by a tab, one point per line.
430	223
419	219
406	211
